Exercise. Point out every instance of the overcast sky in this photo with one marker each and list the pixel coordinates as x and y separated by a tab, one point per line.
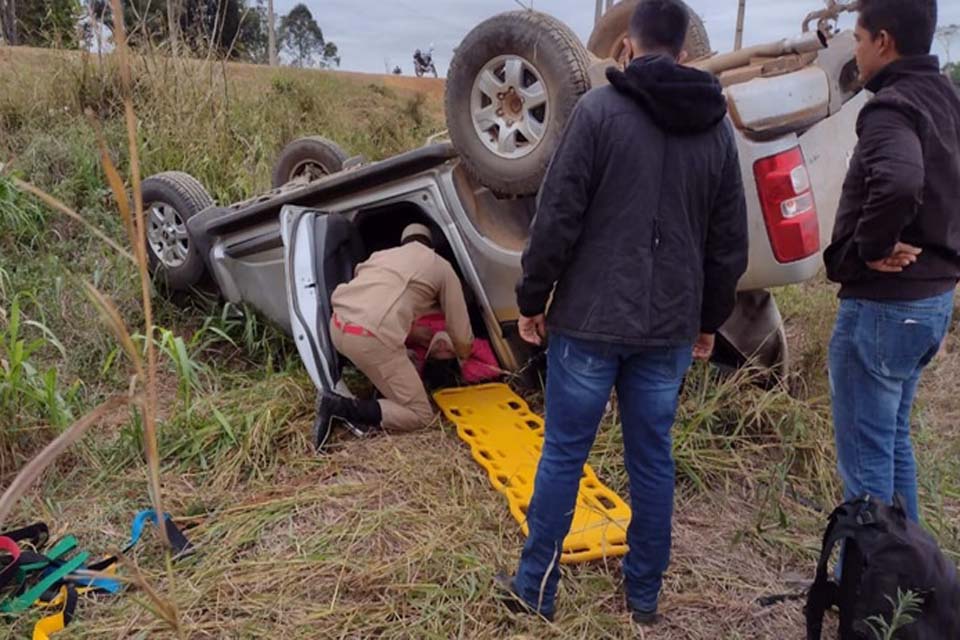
370	32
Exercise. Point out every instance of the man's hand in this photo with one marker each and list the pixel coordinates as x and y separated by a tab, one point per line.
703	347
902	257
533	330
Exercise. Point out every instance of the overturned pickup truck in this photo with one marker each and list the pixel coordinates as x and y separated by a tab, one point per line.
513	83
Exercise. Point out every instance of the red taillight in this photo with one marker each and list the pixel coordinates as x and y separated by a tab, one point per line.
788	205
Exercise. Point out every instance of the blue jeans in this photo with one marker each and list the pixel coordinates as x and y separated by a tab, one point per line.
580	377
878	351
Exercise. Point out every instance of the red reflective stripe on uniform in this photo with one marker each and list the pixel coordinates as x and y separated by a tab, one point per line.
352	329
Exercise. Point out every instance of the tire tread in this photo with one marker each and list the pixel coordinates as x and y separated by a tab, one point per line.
329	146
195	197
576	63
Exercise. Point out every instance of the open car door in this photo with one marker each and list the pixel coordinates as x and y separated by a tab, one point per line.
320	252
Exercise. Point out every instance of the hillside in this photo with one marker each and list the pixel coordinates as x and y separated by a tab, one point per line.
392	537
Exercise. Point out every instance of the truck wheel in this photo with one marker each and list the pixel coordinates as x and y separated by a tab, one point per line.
755	336
169	200
606	41
511	88
311	158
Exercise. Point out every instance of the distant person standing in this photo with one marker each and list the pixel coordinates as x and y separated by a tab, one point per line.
895	249
643	269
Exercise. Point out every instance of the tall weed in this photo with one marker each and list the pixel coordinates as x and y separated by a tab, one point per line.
29	393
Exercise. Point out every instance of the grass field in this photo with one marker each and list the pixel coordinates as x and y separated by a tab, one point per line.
394	537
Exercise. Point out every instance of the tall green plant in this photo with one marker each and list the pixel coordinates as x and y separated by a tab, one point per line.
905	609
188	369
26	392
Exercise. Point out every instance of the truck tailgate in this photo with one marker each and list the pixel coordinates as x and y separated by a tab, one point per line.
827	148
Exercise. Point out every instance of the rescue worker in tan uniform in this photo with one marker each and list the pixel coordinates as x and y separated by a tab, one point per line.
372	317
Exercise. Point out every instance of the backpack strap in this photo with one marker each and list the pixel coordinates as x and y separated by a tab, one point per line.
843	524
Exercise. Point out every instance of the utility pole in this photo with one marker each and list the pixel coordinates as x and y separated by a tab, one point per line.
97	29
8	22
741	15
271	35
602	7
173	26
946	35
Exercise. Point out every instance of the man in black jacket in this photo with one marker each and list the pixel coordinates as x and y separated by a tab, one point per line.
895	249
640	236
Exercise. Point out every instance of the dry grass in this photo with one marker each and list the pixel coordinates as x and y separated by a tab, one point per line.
399	538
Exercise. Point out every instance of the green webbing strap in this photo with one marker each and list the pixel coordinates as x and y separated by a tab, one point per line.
55	571
33	562
24	601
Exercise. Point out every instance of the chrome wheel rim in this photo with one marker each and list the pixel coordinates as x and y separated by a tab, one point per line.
309	169
509	107
167	234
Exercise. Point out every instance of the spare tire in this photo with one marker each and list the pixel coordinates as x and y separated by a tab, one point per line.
607	38
512	85
169	200
311	158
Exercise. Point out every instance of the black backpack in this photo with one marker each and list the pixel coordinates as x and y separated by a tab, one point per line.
884	552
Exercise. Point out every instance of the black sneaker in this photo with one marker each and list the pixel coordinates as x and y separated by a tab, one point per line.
360	430
509	598
362	418
322	424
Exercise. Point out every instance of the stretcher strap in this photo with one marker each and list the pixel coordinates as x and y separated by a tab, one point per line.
50	625
86	581
35	535
178	541
9	569
61	580
31	561
53	575
94	587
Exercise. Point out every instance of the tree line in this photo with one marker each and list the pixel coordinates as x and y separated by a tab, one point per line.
948	36
243	30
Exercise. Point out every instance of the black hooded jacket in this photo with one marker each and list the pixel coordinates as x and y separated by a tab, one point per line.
641	226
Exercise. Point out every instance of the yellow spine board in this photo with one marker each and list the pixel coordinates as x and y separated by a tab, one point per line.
506	439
